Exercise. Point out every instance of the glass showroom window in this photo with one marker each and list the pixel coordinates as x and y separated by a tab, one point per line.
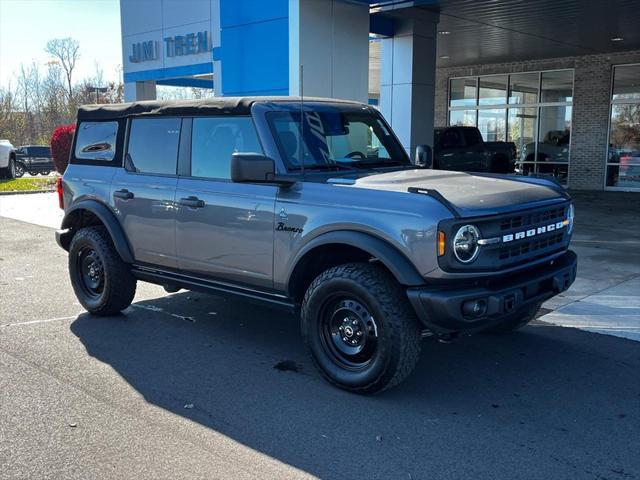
623	159
531	109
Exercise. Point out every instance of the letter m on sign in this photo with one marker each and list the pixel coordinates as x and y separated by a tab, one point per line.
148	50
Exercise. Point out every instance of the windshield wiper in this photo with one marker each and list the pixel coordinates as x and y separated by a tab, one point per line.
321	166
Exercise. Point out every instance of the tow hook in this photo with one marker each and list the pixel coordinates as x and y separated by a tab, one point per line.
509	303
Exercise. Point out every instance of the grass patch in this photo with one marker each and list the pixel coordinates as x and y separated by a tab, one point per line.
28	184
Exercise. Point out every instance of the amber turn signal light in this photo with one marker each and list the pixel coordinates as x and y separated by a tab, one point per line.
441	243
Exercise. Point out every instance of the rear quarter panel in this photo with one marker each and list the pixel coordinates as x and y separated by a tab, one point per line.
82	182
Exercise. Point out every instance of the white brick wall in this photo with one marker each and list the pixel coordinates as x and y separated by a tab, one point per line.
591	99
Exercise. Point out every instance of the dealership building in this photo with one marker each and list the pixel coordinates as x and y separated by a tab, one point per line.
559	78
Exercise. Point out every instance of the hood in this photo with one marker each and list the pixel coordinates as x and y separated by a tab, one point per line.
470	194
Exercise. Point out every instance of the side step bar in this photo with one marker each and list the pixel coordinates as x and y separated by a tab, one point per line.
162	277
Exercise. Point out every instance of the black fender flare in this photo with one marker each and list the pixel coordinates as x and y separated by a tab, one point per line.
108	219
395	261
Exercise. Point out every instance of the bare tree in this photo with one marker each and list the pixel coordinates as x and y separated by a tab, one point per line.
66	51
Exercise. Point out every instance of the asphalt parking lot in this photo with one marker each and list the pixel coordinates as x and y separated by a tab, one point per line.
194	386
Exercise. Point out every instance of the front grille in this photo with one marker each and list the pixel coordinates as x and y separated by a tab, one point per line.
525	248
532	219
519	251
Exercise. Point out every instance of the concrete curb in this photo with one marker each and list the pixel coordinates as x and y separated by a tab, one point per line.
26	192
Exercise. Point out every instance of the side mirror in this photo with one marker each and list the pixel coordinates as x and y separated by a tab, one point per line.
424	156
254	168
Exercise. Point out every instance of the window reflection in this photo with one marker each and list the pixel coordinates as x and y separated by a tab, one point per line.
492	124
493	90
538	120
463	92
523	88
624	146
522	132
463	118
554	134
626	83
557	86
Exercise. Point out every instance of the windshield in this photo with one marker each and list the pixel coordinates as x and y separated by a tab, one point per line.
335	140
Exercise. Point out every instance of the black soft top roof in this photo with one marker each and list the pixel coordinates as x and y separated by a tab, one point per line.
208	106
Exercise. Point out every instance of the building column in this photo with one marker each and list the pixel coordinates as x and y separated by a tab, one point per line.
330	39
407	79
135	91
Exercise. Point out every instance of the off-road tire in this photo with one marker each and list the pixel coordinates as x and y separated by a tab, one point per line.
515	322
398	332
119	285
11	169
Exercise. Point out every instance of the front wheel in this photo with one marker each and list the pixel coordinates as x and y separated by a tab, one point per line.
19	170
102	282
360	329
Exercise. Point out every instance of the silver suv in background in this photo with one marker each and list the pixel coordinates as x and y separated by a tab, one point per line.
7	160
314	207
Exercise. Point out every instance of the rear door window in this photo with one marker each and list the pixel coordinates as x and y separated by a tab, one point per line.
215	139
96	141
39	151
153	145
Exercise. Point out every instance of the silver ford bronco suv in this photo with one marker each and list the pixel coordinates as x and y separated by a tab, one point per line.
313	206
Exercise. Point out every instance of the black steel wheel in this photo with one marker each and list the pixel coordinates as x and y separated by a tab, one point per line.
90	271
102	282
359	327
348	331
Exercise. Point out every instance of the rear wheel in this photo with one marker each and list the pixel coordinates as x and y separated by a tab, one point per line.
360	328
33	173
45	172
11	168
102	282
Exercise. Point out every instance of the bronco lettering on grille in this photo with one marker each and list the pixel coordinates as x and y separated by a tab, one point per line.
552	227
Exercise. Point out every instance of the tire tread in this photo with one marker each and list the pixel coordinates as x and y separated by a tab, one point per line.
400	319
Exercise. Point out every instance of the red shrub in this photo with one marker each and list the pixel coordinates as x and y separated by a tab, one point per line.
61	142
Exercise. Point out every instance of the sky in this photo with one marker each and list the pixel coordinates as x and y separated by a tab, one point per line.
27	25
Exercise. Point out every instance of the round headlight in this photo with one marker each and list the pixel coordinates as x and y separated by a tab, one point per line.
570	217
465	243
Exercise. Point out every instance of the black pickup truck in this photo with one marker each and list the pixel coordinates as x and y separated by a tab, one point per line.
463	149
33	159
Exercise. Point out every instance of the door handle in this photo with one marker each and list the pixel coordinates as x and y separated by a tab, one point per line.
191	202
123	194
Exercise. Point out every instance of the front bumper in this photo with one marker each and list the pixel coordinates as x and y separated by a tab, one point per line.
440	308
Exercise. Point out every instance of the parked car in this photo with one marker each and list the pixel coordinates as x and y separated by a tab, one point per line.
553	154
7	160
320	213
34	159
463	149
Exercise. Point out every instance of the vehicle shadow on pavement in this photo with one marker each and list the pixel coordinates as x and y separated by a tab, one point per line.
546	402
